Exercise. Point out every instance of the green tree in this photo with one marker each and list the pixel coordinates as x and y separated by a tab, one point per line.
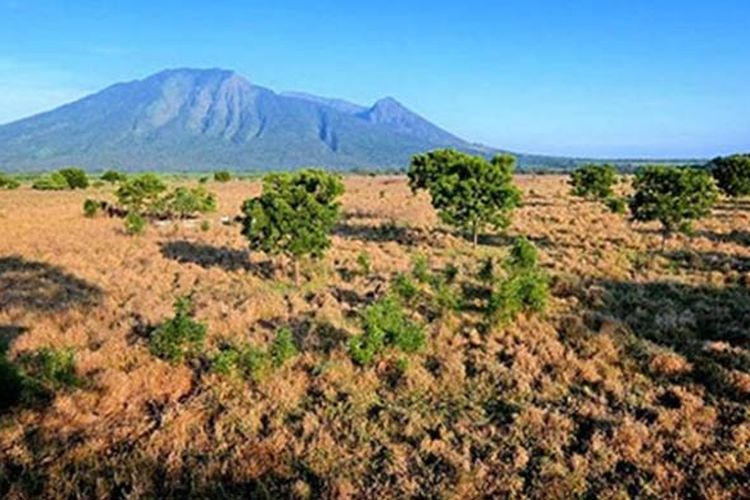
468	192
53	182
294	215
185	202
113	177
593	181
75	178
732	174
674	196
7	182
222	176
141	193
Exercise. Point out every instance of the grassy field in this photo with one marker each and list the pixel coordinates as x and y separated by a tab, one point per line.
634	382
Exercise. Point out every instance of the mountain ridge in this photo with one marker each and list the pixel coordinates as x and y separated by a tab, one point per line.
187	119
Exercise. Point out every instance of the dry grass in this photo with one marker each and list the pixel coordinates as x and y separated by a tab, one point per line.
636	381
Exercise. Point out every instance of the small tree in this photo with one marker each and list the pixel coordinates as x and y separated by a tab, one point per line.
140	193
185	202
594	181
75	178
7	182
468	192
113	176
674	196
294	215
222	176
732	174
53	182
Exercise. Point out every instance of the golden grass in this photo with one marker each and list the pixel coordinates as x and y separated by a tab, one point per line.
635	382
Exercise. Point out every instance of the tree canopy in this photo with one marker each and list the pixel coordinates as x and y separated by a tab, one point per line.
732	174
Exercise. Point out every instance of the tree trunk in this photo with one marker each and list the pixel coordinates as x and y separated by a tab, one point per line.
475	236
296	272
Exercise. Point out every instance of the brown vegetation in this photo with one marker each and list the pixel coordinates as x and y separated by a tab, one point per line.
635	382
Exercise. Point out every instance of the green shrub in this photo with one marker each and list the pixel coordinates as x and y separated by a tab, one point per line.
294	215
616	205
135	224
91	208
113	177
50	369
7	182
141	193
384	325
225	362
283	347
205	226
732	174
404	287
593	181
468	192
52	182
75	178
486	272
185	202
222	176
420	269
181	336
524	288
674	196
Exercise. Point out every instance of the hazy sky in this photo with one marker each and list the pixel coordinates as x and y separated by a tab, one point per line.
636	78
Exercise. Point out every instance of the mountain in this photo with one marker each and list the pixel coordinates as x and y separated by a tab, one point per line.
192	120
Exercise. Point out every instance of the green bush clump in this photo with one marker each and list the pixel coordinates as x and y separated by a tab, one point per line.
113	177
135	224
468	192
91	207
674	196
75	178
525	286
294	215
420	269
384	325
181	336
140	193
7	182
254	363
616	205
52	182
184	202
732	174
593	181
364	262
50	369
405	287
222	176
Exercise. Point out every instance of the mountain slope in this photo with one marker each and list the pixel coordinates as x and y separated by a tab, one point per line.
190	119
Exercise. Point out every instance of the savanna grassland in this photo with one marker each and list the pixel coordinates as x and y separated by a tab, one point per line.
635	381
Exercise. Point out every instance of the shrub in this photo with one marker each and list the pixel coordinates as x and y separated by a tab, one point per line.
113	177
525	287
294	215
7	182
674	196
205	226
141	193
616	205
135	224
384	325
364	262
420	269
222	176
283	347
75	178
50	369
468	192
53	182
593	181
185	202
181	336
91	207
404	287
732	174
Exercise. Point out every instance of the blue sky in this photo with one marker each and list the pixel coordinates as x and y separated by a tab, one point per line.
606	78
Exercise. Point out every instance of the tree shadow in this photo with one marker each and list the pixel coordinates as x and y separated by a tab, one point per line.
708	261
310	335
42	287
208	256
385	232
686	319
738	237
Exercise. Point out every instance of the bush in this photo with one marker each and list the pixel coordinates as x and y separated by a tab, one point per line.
254	363
385	325
404	287
732	174
420	269
141	193
364	262
91	207
135	224
7	182
468	192
53	182
181	336
185	202
594	181
616	205
294	215
674	196
113	177
222	176
283	347
50	369
75	178
525	286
